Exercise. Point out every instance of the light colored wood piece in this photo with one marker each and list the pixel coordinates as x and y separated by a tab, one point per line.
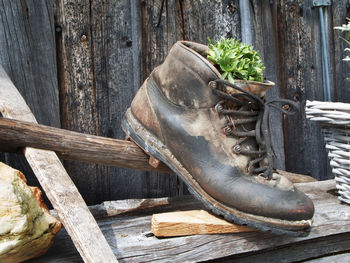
57	184
193	222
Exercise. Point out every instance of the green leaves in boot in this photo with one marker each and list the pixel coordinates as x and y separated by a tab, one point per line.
236	60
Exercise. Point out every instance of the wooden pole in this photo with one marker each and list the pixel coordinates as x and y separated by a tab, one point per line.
58	186
71	145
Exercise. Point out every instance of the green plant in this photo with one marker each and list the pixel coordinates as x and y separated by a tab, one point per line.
236	60
346	28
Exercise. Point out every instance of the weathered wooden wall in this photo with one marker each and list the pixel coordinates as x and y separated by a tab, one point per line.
79	64
27	44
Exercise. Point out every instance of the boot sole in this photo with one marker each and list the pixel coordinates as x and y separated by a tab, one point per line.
151	145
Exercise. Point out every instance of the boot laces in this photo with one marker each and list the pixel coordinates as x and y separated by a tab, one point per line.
242	110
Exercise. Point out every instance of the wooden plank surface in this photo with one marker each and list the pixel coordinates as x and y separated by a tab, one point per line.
339	258
76	83
129	236
116	41
58	186
106	78
300	70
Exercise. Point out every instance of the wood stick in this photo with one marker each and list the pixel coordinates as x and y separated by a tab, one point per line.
58	186
77	146
194	222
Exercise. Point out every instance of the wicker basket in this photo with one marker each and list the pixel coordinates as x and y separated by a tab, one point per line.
334	118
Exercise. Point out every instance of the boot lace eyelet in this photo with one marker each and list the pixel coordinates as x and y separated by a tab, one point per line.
219	108
237	149
227	130
212	84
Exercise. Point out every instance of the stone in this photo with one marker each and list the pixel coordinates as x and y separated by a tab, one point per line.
27	228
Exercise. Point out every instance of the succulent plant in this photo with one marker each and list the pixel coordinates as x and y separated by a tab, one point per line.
236	60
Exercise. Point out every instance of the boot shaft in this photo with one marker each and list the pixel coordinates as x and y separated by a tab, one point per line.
184	76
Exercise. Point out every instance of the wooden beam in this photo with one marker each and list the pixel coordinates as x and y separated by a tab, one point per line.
193	222
77	146
58	186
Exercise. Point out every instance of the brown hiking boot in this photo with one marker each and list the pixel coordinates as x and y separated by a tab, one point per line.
215	136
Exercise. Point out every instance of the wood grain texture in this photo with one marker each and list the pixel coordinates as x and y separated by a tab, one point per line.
341	70
300	70
70	145
27	53
129	234
111	35
338	258
78	101
192	222
264	32
115	32
57	184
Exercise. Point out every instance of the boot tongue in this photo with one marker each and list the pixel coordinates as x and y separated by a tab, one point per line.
254	87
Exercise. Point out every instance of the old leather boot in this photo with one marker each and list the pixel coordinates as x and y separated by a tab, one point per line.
215	136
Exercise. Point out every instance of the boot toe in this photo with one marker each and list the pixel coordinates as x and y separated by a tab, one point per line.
252	197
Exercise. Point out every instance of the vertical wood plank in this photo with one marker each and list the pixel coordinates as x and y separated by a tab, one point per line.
264	14
116	80
213	19
99	73
78	99
159	25
340	11
300	69
27	53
